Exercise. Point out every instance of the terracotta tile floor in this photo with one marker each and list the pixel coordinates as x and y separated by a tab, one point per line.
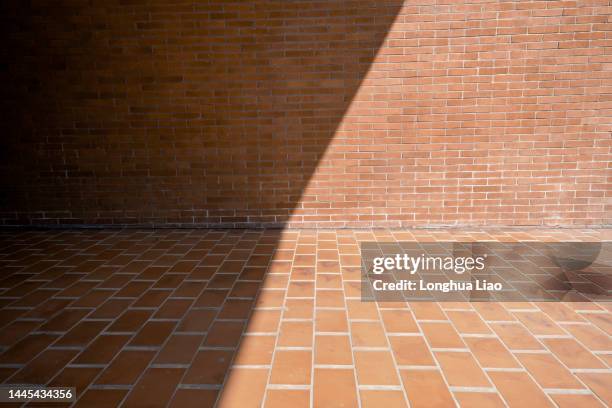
248	318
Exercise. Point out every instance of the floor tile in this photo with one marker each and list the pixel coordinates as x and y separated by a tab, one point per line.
461	370
102	350
263	321
331	321
576	401
334	388
426	388
573	354
101	398
295	334
375	368
491	353
468	322
287	398
153	333
155	388
126	367
442	335
78	377
24	350
599	383
194	398
244	388
548	371
333	350
519	390
255	350
224	334
368	334
291	367
179	349
478	400
208	367
516	337
411	351
382	398
399	321
43	367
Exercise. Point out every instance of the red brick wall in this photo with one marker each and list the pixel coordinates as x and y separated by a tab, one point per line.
330	113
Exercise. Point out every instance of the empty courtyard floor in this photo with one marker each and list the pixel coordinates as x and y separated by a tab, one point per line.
274	318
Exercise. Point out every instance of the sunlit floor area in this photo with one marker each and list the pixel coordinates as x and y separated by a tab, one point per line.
274	318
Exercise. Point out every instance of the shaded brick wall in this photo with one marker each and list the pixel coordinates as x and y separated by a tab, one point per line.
331	113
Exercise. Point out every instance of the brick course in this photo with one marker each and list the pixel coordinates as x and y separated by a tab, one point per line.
311	114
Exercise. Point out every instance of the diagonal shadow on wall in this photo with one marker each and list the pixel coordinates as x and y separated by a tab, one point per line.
195	114
178	113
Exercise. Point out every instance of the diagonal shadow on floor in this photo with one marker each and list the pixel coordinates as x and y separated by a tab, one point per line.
220	114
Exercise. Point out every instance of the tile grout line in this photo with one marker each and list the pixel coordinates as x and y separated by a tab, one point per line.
350	333
267	386
161	347
389	344
314	324
218	312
